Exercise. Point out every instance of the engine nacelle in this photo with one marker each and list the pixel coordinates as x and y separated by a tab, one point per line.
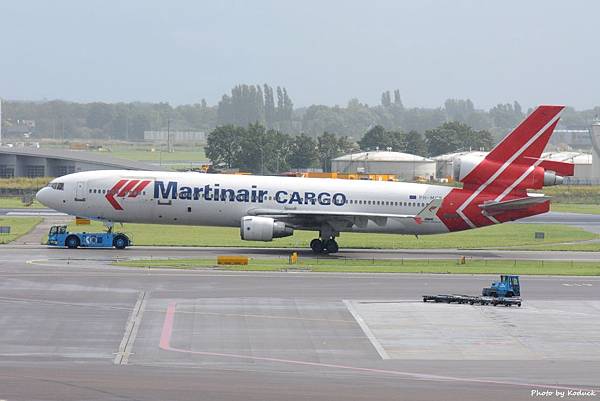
551	178
254	228
537	178
461	166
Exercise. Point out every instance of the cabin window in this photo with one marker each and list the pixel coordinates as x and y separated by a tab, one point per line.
189	209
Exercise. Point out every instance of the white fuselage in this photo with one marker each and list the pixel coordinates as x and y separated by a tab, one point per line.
222	200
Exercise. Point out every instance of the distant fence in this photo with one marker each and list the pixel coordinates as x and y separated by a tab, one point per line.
4	229
18	191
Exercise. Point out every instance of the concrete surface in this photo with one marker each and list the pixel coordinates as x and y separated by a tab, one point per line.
76	328
540	330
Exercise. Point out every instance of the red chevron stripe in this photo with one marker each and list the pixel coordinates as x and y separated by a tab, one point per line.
128	188
137	190
110	195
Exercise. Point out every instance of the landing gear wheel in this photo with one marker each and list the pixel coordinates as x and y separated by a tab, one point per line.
331	246
316	245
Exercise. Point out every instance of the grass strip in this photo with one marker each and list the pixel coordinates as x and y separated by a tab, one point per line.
19	226
326	264
504	235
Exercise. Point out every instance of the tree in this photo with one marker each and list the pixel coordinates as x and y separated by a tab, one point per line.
415	143
224	145
506	116
303	152
375	138
269	105
329	147
378	138
263	151
441	140
459	109
455	136
99	115
345	145
398	100
386	99
280	149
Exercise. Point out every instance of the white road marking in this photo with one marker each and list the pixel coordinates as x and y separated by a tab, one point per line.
365	328
577	284
133	324
36	214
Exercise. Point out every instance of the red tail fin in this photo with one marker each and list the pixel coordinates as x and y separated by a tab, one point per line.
495	184
515	158
530	137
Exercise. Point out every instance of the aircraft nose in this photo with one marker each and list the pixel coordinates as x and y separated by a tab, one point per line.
44	197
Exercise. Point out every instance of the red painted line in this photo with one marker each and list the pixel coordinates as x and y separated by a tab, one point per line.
167	331
137	190
127	188
110	195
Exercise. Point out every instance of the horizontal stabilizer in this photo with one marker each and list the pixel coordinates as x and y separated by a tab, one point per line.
565	169
493	207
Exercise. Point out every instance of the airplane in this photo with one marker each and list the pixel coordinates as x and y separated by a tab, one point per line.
494	191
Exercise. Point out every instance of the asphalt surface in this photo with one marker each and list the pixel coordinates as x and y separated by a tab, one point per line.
589	222
42	255
76	328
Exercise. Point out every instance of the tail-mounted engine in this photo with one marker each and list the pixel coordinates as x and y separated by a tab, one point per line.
540	173
255	228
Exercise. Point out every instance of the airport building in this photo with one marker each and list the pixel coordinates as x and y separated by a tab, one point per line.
403	165
34	162
445	163
595	135
175	136
585	173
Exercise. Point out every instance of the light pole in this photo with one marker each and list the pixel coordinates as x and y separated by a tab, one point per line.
168	135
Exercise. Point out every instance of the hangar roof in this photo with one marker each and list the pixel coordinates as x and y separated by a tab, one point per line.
571	157
452	156
383	156
81	156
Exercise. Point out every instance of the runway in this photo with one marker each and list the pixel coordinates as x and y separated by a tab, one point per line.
78	328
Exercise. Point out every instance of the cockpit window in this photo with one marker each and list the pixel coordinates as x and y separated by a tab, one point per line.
57	185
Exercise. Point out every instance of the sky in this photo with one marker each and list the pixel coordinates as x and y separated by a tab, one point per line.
323	52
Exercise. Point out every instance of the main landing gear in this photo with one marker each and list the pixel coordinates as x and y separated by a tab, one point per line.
324	246
326	243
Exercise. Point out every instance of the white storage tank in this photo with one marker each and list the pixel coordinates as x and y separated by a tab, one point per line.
404	165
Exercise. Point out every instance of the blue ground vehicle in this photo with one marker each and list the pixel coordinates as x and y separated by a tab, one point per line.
60	236
507	287
505	292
